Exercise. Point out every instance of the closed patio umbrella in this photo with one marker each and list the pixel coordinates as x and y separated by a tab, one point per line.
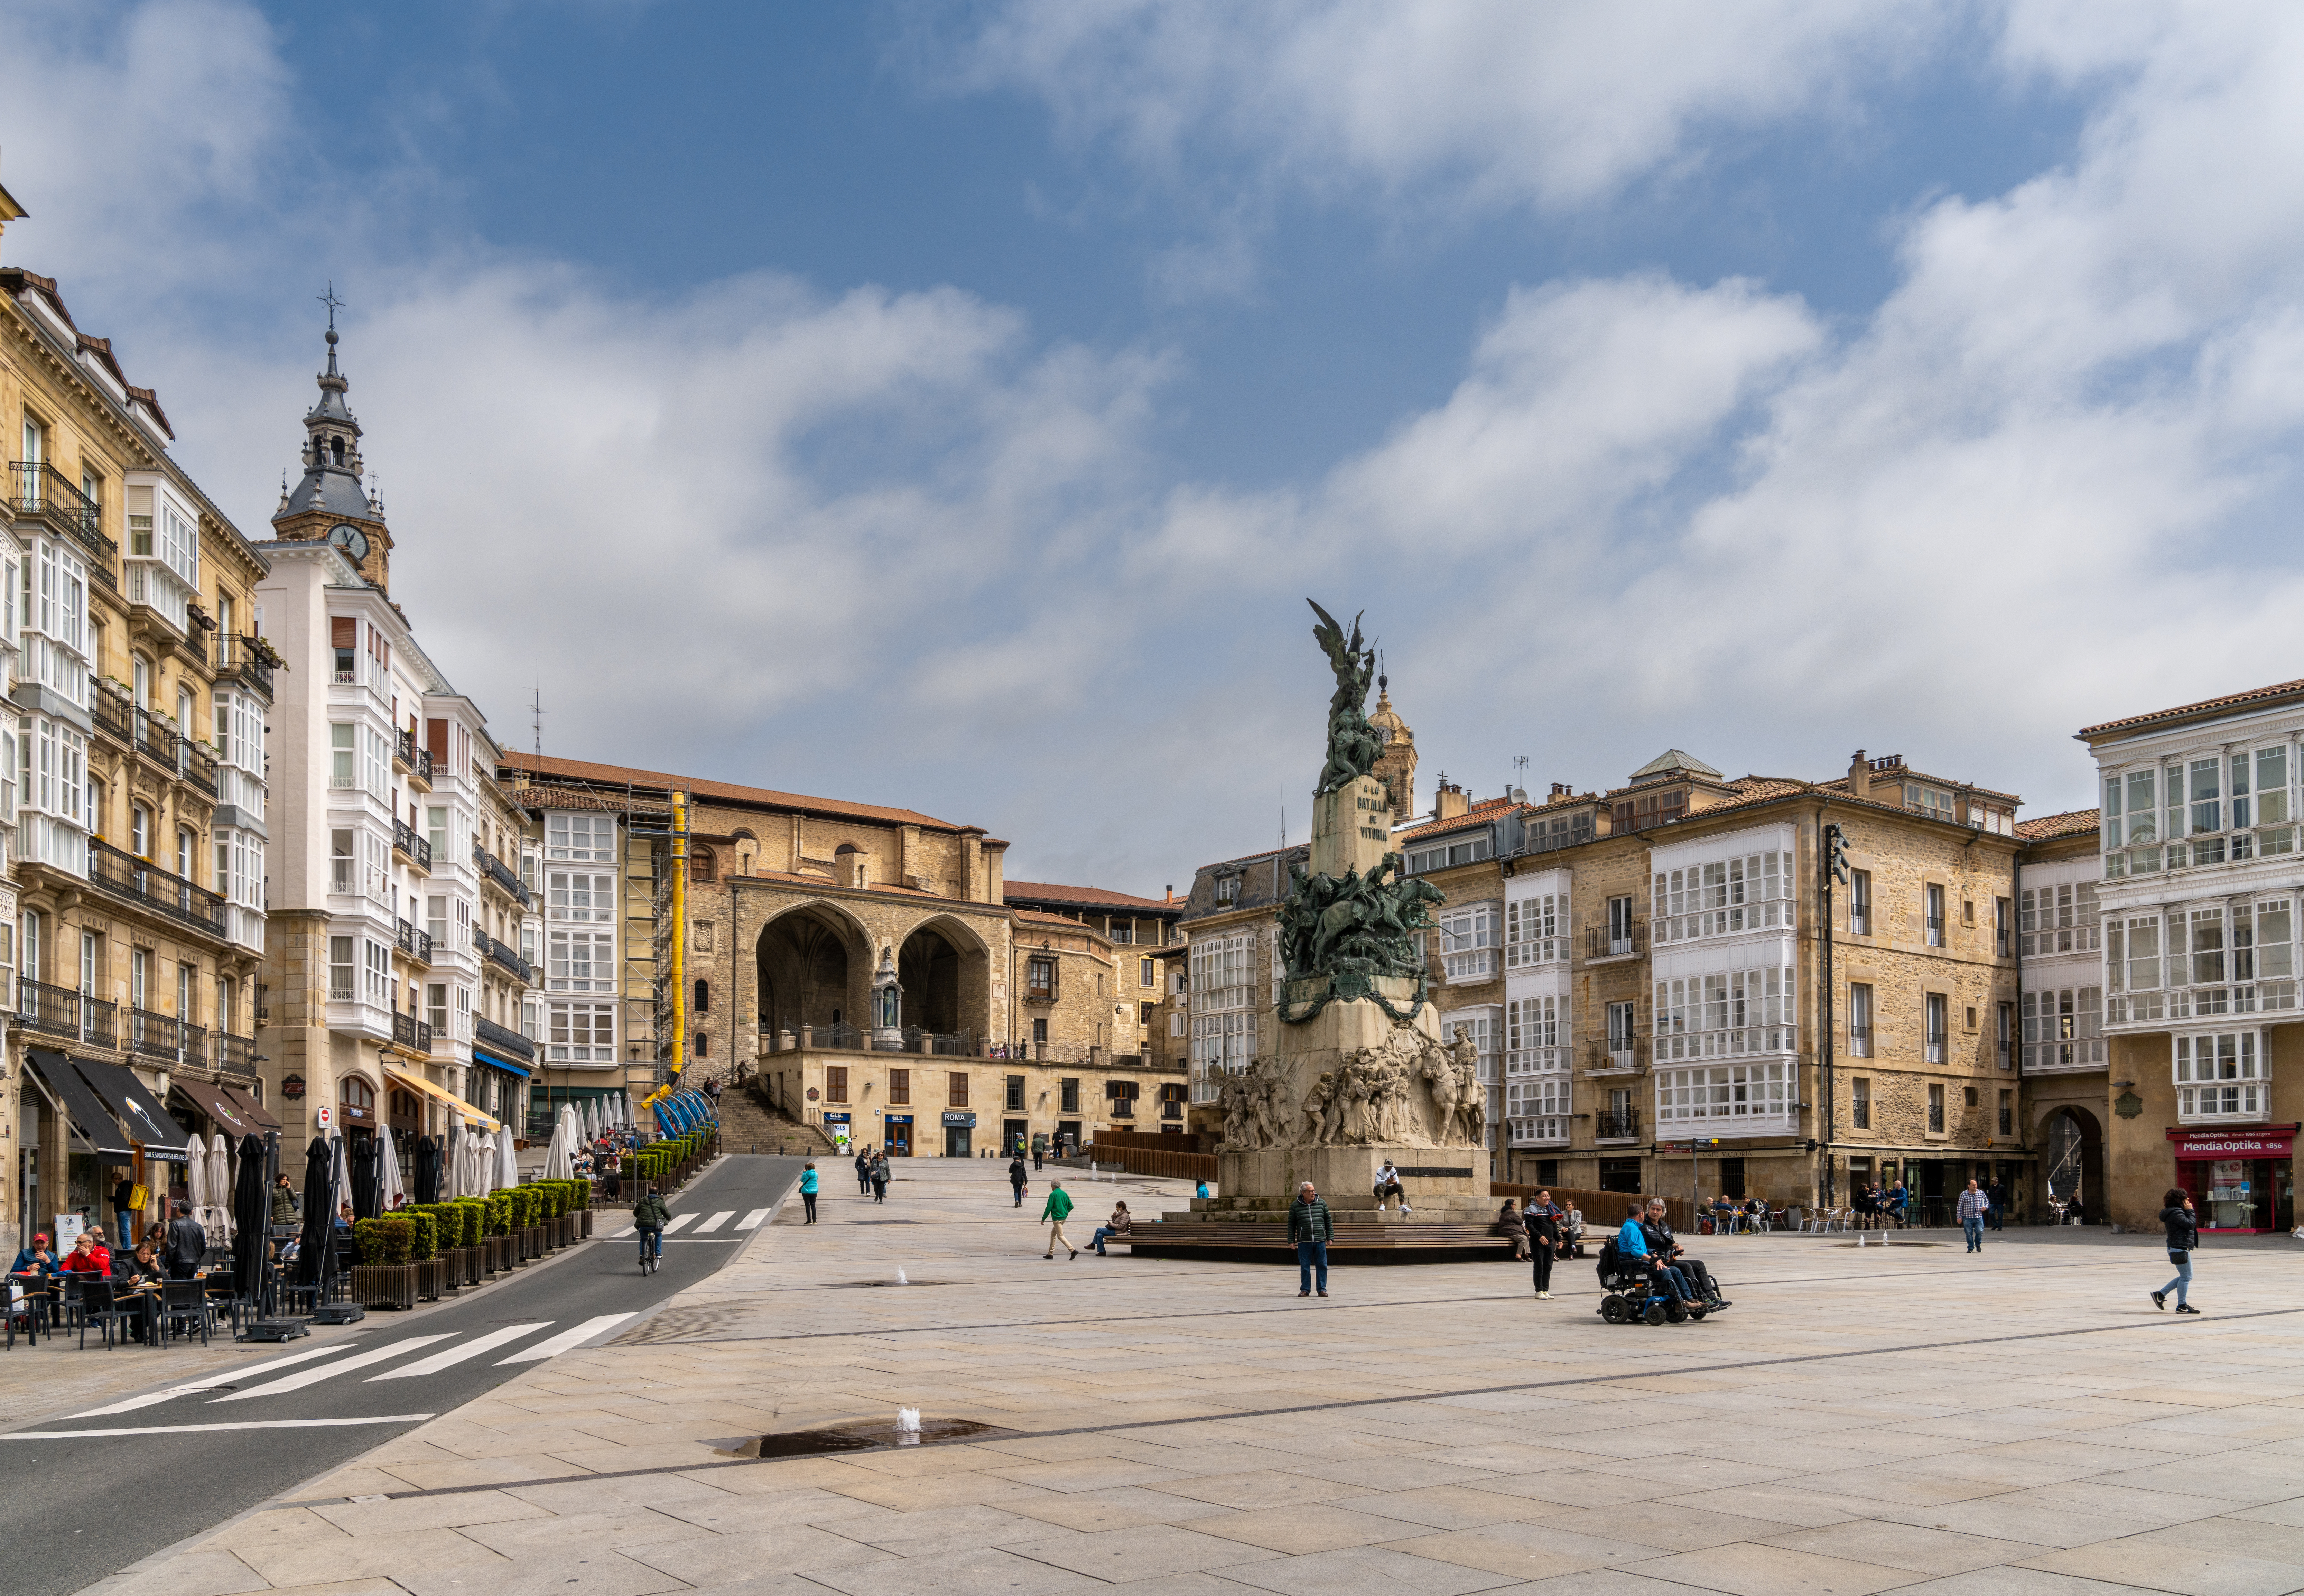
508	1166
320	1210
223	1185
196	1179
390	1189
365	1188
427	1170
451	1161
250	1202
557	1152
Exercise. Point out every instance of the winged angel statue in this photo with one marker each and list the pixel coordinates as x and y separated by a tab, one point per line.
1352	745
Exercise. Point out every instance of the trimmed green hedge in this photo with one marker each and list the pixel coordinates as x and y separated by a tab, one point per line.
385	1241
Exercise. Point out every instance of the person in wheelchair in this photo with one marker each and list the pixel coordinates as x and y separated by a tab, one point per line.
1636	1256
1696	1284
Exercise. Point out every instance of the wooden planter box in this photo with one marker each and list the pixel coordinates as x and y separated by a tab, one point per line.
499	1251
385	1284
584	1221
431	1279
531	1242
472	1261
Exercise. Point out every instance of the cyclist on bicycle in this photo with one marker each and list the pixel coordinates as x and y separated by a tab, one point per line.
650	1215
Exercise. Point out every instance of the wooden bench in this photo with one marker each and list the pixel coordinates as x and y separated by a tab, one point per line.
1250	1239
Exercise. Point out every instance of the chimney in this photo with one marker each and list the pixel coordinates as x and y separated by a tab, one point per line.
1170	891
1859	775
1449	801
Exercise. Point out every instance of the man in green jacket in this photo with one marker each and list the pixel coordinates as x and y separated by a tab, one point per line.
1059	1209
649	1216
1310	1229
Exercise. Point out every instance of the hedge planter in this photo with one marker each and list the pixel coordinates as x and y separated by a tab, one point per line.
471	1261
431	1279
531	1242
584	1220
385	1284
500	1251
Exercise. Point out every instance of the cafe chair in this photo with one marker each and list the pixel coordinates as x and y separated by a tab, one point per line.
184	1307
29	1303
99	1306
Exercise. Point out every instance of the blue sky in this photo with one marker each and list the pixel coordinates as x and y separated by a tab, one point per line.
950	407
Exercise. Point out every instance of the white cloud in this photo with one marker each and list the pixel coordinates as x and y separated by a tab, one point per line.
1440	104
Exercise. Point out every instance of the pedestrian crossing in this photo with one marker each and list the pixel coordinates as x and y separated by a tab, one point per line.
752	1220
300	1370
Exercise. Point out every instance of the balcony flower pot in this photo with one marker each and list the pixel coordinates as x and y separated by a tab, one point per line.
385	1284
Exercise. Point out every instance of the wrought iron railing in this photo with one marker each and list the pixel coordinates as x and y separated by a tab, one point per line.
501	1038
494	871
405	840
240	659
236	1052
410	1031
417	945
494	949
39	490
154	1035
122	874
54	1010
418	760
1616	1124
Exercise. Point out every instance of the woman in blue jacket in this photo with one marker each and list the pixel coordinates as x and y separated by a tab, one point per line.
807	1190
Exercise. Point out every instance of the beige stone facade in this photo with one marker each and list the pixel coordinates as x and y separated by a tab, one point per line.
134	765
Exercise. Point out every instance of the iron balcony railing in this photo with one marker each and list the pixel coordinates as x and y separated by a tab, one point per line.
122	874
411	1033
418	760
40	491
113	715
195	1039
54	1010
1604	942
1616	1124
501	1039
493	869
236	1052
242	659
503	955
417	945
405	840
154	1035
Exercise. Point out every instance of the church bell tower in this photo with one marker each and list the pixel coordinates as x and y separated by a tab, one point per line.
329	502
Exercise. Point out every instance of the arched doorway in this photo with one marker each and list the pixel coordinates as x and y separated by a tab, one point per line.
927	966
815	969
2072	1170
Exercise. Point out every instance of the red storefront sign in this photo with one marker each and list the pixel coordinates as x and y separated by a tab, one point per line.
2271	1142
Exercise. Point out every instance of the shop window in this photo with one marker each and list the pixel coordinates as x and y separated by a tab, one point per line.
358	1098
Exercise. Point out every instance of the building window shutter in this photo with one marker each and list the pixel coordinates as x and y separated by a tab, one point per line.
344	631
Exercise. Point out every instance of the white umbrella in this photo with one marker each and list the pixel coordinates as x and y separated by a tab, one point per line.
591	1120
196	1180
556	1152
340	1177
452	1160
507	1172
223	1177
390	1152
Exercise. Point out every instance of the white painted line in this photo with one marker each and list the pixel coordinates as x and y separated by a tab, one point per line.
223	1377
567	1340
457	1354
751	1221
620	1234
677	1221
716	1220
313	1377
66	1435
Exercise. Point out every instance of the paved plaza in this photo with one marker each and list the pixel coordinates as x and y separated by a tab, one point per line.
1910	1419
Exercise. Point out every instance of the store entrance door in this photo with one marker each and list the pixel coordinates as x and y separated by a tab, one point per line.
1012	1134
899	1134
955	1141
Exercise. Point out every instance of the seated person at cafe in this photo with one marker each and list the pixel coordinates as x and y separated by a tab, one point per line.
140	1269
88	1256
39	1259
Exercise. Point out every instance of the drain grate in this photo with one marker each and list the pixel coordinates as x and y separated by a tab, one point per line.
862	1438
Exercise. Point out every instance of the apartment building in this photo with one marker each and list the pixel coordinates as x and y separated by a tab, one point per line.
2060	952
2200	879
1230	925
132	789
1133	930
378	974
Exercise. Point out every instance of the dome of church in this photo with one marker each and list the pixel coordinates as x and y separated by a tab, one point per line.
1386	719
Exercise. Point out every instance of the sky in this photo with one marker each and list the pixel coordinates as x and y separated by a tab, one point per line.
952	407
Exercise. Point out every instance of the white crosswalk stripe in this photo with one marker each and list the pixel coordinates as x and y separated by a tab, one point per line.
621	1235
312	1377
751	1221
677	1221
453	1356
566	1340
223	1377
716	1220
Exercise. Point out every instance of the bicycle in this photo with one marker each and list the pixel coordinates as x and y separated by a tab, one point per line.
651	1250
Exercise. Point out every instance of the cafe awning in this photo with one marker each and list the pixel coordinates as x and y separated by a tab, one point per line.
139	1113
81	1105
229	1113
266	1121
475	1118
497	1063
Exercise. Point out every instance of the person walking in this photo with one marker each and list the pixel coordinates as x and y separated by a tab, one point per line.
1017	1179
1058	1209
879	1177
1039	1149
1997	1191
2182	1223
188	1243
864	1172
1310	1229
1973	1206
807	1190
1544	1241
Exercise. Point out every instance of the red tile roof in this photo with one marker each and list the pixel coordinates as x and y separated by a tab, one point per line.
2072	822
1034	917
1094	897
2254	695
1486	808
550	766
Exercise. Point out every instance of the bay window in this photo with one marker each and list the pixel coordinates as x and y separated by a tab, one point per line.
1535	930
1737	1011
341	772
580	1032
2064	1027
1726	1100
1468	943
1747	892
2219	1076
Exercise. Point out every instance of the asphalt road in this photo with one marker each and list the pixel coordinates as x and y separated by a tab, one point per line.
93	1492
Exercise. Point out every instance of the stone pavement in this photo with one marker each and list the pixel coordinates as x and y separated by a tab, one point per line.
1910	1419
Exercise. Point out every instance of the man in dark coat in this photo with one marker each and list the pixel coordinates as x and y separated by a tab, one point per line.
188	1244
1310	1229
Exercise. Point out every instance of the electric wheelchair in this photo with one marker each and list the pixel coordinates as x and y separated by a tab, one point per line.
1632	1295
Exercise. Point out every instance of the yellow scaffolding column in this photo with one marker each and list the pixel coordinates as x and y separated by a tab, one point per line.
679	934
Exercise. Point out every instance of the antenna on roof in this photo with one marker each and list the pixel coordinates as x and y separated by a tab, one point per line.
1520	781
536	709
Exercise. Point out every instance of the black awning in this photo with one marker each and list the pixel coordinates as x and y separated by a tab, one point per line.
89	1115
138	1112
226	1112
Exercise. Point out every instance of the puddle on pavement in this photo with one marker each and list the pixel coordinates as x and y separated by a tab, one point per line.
861	1438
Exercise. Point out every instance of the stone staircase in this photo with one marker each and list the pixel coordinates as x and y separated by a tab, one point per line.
748	1124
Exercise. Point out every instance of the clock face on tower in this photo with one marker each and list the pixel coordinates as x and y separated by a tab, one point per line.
351	539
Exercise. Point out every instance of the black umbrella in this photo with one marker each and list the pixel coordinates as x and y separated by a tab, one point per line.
427	1170
312	1260
367	1182
252	1234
